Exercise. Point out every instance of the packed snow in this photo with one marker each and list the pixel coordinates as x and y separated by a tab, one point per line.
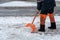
13	28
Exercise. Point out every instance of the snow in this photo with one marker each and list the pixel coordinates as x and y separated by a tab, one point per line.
22	4
13	28
20	20
57	0
18	4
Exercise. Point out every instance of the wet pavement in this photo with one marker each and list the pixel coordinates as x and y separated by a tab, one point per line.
23	11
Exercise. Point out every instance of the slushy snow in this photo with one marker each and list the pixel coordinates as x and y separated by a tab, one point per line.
13	28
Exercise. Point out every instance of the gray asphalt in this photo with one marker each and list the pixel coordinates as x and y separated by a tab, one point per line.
23	11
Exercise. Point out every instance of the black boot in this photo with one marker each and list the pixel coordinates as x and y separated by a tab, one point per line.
53	26
42	28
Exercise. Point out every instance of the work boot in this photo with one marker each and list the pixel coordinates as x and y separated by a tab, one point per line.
53	26
42	28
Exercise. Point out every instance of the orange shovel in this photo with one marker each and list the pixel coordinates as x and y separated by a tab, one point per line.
33	26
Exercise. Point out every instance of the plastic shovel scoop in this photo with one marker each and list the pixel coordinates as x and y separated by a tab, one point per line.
33	26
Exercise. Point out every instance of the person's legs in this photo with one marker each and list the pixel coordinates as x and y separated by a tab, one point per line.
52	19
42	22
43	16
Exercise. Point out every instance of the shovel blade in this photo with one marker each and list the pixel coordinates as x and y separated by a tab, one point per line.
32	26
28	25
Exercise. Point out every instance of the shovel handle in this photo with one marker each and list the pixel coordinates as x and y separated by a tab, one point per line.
34	17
